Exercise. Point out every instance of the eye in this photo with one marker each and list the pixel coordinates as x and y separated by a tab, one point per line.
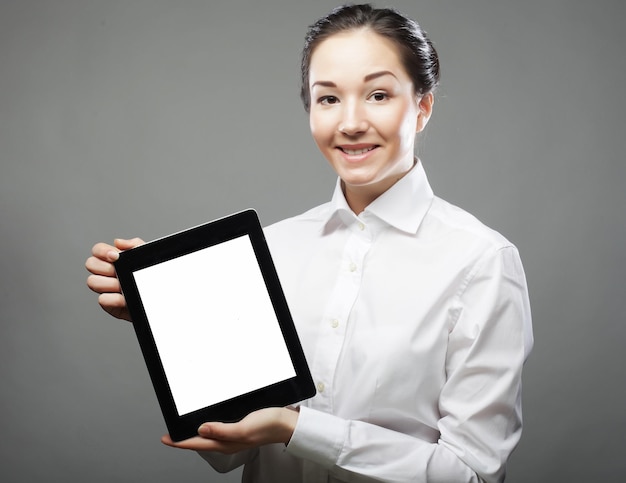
379	96
328	100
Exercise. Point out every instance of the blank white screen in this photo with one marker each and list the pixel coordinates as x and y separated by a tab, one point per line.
214	324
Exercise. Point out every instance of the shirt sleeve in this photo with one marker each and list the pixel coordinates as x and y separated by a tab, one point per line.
480	403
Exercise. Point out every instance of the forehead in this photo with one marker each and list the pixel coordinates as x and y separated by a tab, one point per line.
355	53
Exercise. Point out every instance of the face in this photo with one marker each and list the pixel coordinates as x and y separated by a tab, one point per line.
364	112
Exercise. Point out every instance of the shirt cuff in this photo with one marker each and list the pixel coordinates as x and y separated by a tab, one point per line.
319	437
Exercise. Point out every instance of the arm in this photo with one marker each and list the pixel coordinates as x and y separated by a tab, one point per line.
479	404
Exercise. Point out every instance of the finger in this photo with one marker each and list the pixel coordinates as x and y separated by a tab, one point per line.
114	304
98	266
202	444
112	301
224	432
191	443
101	284
127	244
106	252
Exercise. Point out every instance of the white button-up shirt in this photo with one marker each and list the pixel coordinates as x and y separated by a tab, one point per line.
414	318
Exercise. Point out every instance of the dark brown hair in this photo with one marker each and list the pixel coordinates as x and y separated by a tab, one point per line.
417	53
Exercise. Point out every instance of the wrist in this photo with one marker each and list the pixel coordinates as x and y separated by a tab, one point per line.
289	420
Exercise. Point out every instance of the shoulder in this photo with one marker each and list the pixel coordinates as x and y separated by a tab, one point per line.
310	221
292	240
447	221
457	238
292	235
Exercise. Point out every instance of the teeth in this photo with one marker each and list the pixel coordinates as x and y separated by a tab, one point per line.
354	152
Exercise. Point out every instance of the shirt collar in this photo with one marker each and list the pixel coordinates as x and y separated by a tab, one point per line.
402	206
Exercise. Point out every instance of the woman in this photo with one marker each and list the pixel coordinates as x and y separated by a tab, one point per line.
414	316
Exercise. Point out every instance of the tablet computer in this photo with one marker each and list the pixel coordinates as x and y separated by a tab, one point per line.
213	324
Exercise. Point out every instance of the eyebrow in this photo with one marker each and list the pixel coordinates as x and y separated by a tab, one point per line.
367	78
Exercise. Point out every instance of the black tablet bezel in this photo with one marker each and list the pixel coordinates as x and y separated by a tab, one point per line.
183	243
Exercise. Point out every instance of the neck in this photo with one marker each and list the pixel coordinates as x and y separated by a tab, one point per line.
359	197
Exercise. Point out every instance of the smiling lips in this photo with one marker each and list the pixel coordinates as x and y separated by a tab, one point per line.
357	149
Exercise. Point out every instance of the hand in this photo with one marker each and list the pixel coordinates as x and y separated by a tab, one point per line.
103	280
265	426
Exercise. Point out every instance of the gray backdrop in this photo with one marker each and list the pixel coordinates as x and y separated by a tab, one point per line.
124	118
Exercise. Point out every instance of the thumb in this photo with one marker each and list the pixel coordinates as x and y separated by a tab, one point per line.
127	244
220	431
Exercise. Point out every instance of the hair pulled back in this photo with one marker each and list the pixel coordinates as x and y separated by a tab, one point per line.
417	53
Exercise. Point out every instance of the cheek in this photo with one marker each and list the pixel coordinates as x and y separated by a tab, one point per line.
409	129
407	126
320	128
398	126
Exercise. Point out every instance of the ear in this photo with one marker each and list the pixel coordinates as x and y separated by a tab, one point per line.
425	110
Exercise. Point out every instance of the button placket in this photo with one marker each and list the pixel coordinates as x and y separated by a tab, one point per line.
335	322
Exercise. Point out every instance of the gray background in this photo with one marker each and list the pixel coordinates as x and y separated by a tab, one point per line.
123	118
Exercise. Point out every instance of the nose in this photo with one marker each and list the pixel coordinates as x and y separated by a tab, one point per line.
353	119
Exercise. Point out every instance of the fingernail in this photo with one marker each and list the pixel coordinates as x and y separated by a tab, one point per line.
204	430
113	255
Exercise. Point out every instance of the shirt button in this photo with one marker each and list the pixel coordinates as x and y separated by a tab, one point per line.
320	387
361	226
353	267
334	323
